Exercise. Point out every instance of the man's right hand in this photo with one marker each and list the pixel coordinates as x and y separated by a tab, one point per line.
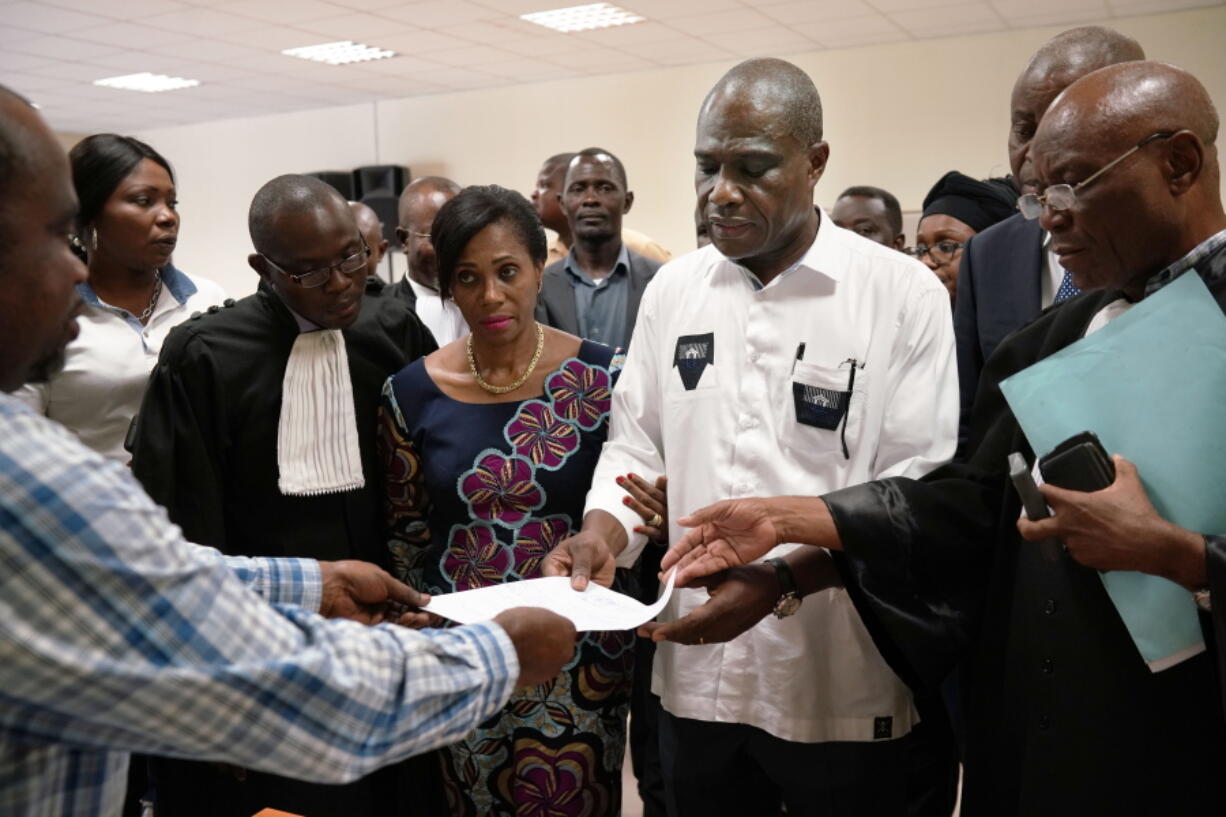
583	557
722	536
544	641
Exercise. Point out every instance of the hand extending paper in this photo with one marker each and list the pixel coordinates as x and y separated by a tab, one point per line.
596	608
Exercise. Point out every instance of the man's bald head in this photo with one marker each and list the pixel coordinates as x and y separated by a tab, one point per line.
419	204
19	124
550	180
367	219
1151	208
371	229
1061	61
39	274
1079	51
1121	103
425	187
557	163
759	154
285	197
778	85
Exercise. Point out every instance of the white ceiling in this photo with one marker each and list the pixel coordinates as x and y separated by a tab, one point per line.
52	51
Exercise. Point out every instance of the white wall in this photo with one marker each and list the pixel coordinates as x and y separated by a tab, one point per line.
897	116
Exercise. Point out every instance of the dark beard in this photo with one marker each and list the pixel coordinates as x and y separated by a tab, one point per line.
48	367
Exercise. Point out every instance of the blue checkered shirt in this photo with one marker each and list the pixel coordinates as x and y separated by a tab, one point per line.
118	636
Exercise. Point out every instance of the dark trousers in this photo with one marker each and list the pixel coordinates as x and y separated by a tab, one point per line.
715	769
411	788
645	712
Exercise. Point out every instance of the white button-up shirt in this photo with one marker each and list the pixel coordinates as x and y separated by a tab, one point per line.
107	366
774	353
440	315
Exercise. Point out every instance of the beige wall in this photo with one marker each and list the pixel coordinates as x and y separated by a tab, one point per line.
897	116
69	140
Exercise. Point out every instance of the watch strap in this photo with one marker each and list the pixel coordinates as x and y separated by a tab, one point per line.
787	580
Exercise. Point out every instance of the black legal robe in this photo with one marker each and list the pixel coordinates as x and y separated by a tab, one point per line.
205	447
1063	716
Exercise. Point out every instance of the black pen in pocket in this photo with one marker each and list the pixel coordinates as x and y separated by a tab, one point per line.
851	385
800	355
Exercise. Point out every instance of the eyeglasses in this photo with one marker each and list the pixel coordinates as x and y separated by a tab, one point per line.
319	276
942	252
419	235
1064	196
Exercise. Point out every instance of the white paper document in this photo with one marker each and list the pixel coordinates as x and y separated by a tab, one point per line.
596	608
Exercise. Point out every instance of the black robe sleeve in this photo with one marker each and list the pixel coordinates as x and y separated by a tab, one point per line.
916	559
180	442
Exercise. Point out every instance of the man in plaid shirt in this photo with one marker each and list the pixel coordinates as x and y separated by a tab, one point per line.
118	636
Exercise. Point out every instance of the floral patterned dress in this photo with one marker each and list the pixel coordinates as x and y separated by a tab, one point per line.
478	494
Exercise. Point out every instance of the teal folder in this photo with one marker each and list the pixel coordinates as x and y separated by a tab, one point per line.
1152	385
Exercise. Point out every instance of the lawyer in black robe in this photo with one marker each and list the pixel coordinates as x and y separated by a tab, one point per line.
1063	715
205	447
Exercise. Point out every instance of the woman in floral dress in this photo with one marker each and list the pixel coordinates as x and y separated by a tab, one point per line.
490	446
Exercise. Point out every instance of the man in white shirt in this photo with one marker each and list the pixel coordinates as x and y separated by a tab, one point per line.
419	204
796	355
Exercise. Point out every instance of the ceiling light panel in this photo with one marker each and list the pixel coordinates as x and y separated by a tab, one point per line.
583	18
339	53
147	82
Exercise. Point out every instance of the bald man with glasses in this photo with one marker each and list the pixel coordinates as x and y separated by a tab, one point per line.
257	435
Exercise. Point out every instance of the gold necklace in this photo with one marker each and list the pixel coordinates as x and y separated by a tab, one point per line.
519	381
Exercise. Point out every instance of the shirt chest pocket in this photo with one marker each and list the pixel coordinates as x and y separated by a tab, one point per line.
693	374
823	410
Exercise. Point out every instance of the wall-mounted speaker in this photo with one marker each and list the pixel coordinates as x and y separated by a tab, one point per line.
379	187
342	180
380	180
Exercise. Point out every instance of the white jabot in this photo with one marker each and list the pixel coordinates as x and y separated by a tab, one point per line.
317	439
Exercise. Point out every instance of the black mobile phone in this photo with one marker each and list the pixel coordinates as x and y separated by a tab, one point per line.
1080	463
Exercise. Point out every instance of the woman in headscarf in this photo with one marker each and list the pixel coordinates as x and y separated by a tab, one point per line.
955	209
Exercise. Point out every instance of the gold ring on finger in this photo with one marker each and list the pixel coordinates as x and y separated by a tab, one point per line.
655	521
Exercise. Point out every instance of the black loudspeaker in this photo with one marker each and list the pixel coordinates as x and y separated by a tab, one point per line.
380	180
386	208
379	187
342	180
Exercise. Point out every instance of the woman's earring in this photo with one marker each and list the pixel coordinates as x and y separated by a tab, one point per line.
93	239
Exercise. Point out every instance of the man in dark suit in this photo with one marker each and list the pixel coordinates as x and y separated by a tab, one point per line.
594	291
419	204
1007	275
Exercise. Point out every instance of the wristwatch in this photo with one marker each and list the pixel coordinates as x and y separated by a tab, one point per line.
789	602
